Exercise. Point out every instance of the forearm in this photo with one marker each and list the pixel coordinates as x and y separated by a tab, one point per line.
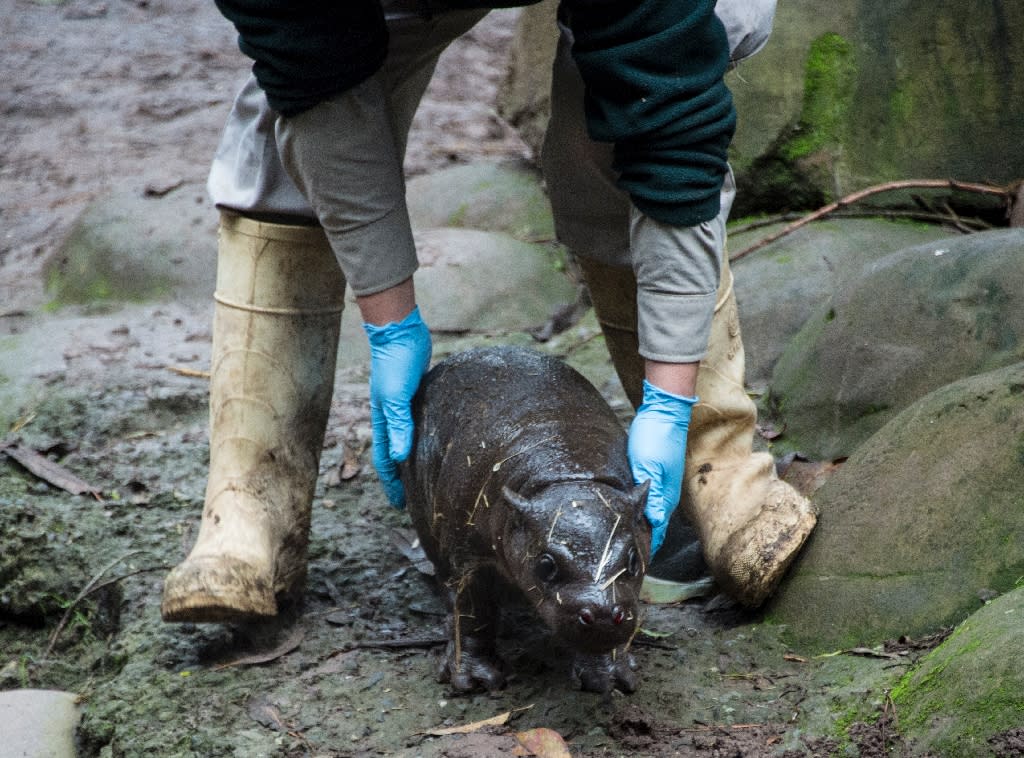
677	378
387	306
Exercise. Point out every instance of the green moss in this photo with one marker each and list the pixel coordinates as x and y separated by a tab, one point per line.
458	217
901	105
942	684
830	78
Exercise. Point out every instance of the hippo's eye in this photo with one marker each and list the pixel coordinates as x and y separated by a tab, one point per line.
633	566
546	569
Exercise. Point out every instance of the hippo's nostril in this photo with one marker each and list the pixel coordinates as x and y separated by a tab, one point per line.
618	616
586	617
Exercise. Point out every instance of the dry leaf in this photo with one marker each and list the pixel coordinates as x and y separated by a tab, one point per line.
47	470
290	643
194	373
499	720
794	658
807	477
350	464
769	432
544	743
265	713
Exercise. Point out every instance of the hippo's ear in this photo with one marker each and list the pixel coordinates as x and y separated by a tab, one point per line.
639	498
517	501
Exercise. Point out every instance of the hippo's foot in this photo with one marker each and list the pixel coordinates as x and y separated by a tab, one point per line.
472	667
607	672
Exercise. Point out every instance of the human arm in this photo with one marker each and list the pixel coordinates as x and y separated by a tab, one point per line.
653	78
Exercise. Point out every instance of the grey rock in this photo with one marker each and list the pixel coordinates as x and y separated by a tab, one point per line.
39	723
909	323
926	513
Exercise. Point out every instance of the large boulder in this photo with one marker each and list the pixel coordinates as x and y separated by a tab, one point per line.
965	696
921	523
781	285
129	246
524	98
876	90
472	280
489	196
909	323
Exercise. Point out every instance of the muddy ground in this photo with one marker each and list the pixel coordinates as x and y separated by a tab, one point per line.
110	95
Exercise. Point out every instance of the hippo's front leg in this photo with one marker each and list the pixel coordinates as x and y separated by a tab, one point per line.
471	660
605	672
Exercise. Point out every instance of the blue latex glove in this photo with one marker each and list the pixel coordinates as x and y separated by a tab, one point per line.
657	451
399	356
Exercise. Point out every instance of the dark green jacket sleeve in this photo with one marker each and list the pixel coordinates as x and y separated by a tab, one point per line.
653	71
307	50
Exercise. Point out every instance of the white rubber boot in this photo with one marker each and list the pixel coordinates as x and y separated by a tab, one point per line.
276	324
751	524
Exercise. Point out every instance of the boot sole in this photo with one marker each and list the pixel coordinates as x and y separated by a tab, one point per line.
209	590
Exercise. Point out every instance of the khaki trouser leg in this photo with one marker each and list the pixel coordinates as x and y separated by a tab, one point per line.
750	523
276	325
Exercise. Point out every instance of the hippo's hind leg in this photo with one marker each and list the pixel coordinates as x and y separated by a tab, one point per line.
471	661
605	672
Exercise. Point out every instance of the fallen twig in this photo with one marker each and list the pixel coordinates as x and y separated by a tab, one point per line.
864	652
726	727
405	642
89	588
867	192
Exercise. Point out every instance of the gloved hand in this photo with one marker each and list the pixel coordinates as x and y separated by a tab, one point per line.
657	451
399	356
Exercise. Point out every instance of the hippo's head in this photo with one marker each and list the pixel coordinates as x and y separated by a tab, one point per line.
579	551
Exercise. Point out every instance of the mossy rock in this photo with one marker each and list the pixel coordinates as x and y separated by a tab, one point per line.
781	285
924	519
488	196
970	689
910	323
127	247
875	91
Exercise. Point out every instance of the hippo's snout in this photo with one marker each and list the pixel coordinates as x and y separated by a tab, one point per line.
591	620
590	617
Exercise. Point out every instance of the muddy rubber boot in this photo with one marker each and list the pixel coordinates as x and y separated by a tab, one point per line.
751	524
276	324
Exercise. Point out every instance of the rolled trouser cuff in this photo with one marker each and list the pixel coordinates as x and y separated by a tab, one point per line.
331	151
658	319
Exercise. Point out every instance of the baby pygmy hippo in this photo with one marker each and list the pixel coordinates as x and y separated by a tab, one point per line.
519	477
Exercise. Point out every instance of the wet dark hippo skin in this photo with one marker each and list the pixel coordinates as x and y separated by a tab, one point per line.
519	478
